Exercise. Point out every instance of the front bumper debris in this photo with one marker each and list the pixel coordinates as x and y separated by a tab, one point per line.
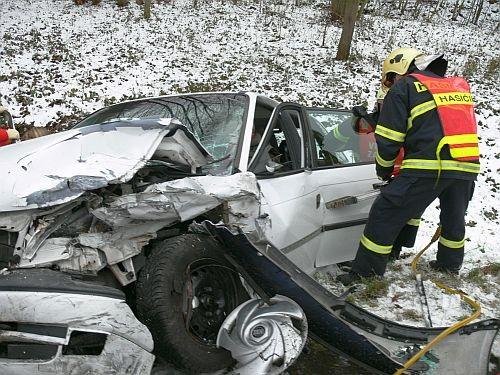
50	323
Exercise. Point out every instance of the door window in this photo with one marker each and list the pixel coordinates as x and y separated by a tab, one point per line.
335	140
281	147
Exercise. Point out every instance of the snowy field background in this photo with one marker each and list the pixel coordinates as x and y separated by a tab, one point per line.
59	62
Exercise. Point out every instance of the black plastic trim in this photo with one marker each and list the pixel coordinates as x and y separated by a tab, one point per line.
49	281
345	224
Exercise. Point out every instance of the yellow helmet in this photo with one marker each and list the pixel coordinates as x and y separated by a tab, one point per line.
398	61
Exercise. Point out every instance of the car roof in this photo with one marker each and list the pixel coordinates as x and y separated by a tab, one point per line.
250	94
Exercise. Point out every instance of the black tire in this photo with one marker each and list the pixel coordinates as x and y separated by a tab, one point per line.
162	287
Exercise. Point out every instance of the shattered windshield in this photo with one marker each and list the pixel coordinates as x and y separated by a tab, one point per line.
214	119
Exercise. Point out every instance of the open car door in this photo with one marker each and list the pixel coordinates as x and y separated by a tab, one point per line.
308	161
290	198
342	168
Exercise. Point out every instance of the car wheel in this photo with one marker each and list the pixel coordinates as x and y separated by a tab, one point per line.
184	293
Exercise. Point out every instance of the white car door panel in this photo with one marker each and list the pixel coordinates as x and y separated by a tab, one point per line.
343	226
292	203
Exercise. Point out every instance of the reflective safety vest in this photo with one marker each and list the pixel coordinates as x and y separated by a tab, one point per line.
456	113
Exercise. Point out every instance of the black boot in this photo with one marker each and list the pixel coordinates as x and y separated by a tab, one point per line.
368	263
348	278
396	250
433	264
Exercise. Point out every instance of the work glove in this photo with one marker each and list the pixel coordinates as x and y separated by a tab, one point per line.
359	111
370	118
13	134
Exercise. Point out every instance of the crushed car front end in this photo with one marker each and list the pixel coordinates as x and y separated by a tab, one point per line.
80	210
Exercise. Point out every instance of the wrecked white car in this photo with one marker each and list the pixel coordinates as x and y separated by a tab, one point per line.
204	215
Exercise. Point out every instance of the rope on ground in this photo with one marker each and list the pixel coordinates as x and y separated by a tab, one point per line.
436	340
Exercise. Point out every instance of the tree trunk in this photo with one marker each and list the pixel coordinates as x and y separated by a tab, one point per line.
147	9
479	9
457	9
324	34
338	8
351	11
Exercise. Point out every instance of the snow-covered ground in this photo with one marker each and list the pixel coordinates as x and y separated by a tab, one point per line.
59	61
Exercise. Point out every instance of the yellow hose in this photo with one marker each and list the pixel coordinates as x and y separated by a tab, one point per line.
436	340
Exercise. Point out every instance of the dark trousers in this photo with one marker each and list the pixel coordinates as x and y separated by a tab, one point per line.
403	199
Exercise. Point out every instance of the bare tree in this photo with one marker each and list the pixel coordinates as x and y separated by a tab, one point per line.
417	8
459	4
147	9
350	15
402	6
477	14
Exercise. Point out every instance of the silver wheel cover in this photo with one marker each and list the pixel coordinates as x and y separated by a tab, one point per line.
262	338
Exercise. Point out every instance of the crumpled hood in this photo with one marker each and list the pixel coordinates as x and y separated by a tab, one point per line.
58	168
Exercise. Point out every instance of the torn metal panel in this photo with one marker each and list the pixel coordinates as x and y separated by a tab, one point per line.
132	221
123	242
124	272
127	348
180	146
242	214
48	306
185	199
192	196
119	357
66	255
34	175
77	311
114	245
132	208
15	221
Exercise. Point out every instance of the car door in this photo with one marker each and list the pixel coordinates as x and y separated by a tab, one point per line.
342	166
289	194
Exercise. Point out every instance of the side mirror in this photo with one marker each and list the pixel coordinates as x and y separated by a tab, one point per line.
272	166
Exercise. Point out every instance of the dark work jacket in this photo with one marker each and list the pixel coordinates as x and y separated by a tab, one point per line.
420	139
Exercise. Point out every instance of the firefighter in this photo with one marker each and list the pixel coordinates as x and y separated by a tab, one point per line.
432	117
408	233
7	135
